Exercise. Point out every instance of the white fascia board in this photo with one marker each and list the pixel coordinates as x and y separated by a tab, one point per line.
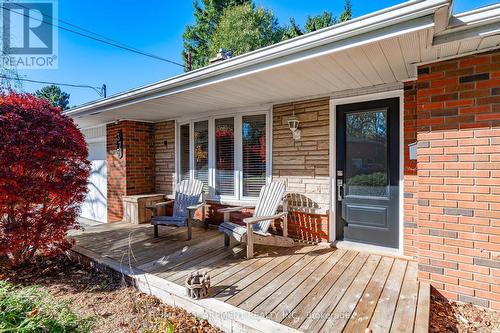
481	22
388	32
476	15
272	56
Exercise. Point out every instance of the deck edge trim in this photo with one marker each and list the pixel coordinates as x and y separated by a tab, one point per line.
220	314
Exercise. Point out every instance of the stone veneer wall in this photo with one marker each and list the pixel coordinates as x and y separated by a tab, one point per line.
304	165
164	149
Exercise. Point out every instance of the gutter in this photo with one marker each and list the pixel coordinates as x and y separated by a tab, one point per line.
481	22
384	18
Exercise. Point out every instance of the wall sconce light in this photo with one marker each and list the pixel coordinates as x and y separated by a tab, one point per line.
119	144
293	125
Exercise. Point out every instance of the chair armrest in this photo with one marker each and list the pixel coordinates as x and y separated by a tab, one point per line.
160	204
253	220
195	207
234	209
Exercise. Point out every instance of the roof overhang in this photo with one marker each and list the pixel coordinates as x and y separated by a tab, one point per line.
381	48
482	22
391	22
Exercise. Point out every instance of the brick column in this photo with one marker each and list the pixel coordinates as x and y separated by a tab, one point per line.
134	172
410	210
458	125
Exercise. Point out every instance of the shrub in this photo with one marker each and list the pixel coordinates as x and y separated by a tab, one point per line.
373	179
43	177
31	309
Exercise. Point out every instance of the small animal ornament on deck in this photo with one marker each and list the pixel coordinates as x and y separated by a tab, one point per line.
198	285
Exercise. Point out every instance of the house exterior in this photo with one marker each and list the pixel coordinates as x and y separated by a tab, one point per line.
363	92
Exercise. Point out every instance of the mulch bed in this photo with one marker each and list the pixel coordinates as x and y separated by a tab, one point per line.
114	306
449	316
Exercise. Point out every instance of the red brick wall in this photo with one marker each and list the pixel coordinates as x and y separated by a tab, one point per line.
134	172
410	194
458	180
116	175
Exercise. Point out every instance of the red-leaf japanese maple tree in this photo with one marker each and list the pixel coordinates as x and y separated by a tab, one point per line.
43	177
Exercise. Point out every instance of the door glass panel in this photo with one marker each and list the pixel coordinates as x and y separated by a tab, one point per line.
366	168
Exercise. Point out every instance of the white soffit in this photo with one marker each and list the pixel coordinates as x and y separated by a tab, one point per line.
266	75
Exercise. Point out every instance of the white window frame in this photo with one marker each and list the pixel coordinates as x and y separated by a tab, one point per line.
238	152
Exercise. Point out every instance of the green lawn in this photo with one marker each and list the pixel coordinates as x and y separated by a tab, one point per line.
31	309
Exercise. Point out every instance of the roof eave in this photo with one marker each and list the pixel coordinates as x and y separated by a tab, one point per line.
481	22
404	12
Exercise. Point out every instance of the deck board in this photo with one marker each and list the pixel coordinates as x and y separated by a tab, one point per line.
343	311
404	315
298	294
384	312
260	283
333	295
366	305
304	287
308	303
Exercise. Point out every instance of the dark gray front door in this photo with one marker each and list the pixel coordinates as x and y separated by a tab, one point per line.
367	175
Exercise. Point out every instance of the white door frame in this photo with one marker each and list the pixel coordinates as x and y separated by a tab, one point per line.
333	160
100	140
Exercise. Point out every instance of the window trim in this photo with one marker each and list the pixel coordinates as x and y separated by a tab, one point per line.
238	152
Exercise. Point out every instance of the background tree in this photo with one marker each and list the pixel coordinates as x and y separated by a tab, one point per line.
43	177
54	95
245	28
196	37
320	21
9	79
347	13
327	19
239	26
292	30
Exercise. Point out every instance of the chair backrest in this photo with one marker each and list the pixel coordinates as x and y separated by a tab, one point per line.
187	194
271	195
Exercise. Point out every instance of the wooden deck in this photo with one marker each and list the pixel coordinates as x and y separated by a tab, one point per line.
309	288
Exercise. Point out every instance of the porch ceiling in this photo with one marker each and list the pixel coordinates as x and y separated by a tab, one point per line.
383	56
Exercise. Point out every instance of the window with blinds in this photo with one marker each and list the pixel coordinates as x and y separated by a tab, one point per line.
224	156
254	154
200	132
184	152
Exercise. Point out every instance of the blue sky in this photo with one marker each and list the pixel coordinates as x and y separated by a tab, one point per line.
155	27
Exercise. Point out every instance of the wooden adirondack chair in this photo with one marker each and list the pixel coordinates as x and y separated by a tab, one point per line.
188	198
255	231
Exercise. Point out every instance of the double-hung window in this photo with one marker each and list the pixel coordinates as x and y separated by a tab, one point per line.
229	154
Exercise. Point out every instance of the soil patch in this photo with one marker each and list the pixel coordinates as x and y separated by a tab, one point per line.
449	316
114	306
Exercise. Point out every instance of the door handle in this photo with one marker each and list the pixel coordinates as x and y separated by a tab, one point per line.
340	184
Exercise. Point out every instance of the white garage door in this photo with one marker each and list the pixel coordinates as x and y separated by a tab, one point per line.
95	205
